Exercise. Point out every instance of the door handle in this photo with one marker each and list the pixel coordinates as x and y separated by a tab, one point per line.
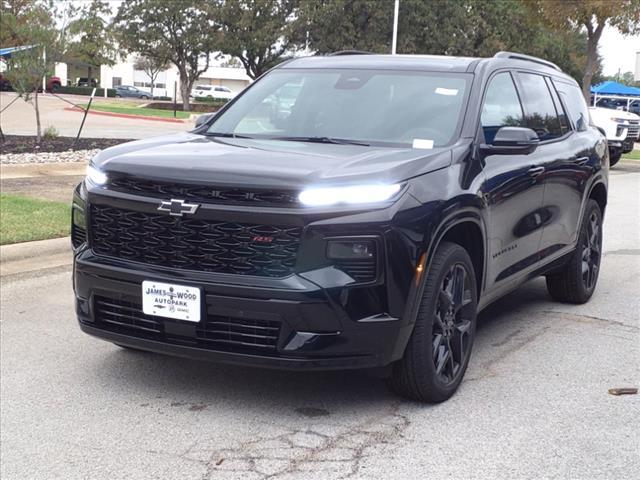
535	171
581	161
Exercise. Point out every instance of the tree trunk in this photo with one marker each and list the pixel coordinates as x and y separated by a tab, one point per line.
593	37
185	89
37	109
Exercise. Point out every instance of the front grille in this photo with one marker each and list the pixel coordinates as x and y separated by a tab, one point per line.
191	244
213	333
78	235
361	270
221	331
205	194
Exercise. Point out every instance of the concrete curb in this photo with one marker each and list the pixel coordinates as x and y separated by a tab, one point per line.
37	249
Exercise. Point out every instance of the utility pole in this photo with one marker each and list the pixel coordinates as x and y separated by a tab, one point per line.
394	41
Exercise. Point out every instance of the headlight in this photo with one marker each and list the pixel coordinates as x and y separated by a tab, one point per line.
619	120
95	176
323	196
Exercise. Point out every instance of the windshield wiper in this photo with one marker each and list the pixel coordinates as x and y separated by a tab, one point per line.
332	140
225	135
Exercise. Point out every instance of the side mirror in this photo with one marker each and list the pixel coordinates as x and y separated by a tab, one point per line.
202	119
512	141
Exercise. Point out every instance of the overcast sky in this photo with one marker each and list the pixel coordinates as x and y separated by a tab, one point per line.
618	52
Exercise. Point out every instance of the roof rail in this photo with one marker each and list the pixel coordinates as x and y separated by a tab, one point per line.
349	52
528	58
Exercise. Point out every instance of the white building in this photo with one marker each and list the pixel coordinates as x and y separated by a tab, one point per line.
124	73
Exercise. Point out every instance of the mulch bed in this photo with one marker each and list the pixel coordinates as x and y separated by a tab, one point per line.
27	144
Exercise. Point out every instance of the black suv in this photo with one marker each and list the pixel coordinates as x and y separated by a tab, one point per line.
346	211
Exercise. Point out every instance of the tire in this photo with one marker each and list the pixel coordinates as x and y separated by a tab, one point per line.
144	97
615	158
576	282
416	376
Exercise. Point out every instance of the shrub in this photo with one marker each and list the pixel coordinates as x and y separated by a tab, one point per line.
50	133
215	101
195	107
86	91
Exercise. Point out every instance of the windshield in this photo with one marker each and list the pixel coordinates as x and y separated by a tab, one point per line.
380	107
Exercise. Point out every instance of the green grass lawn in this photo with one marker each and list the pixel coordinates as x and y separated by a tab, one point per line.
632	155
132	109
24	219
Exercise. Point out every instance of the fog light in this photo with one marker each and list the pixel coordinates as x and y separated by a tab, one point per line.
351	249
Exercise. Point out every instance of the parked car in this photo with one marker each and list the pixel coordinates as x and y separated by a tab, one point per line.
129	91
367	227
212	91
621	128
53	84
86	82
620	104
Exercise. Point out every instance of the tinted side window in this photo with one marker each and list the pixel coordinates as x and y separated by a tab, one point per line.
540	112
501	107
562	116
576	106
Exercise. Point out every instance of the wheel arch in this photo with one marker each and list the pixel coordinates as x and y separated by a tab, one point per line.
467	231
598	193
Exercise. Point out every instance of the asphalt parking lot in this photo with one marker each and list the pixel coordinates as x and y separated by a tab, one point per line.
19	119
534	403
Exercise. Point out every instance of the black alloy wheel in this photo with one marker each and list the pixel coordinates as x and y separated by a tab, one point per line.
576	281
591	248
451	331
438	352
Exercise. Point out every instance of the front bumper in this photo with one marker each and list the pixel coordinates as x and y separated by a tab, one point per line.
315	330
316	317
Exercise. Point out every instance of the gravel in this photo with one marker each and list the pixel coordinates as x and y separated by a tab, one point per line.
48	157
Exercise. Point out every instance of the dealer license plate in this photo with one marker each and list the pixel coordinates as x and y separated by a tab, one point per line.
171	301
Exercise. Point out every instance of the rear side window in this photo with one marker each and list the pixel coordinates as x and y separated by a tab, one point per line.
501	107
562	116
576	106
540	112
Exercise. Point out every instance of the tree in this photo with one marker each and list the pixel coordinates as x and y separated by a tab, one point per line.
476	28
258	32
180	31
152	67
34	25
14	16
92	41
593	15
333	25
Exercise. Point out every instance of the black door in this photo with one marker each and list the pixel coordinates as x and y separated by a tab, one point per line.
511	191
568	174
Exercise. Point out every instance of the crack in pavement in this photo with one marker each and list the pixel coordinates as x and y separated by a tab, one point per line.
303	450
592	320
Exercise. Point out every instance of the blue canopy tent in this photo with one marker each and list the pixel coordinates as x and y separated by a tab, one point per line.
7	51
616	91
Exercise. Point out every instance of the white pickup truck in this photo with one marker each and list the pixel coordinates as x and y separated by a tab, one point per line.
621	129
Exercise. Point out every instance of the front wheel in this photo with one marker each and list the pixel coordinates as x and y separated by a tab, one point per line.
439	349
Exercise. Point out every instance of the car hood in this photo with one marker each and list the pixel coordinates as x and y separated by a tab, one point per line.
194	158
609	112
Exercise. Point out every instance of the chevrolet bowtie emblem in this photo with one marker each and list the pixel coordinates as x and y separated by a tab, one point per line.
177	208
